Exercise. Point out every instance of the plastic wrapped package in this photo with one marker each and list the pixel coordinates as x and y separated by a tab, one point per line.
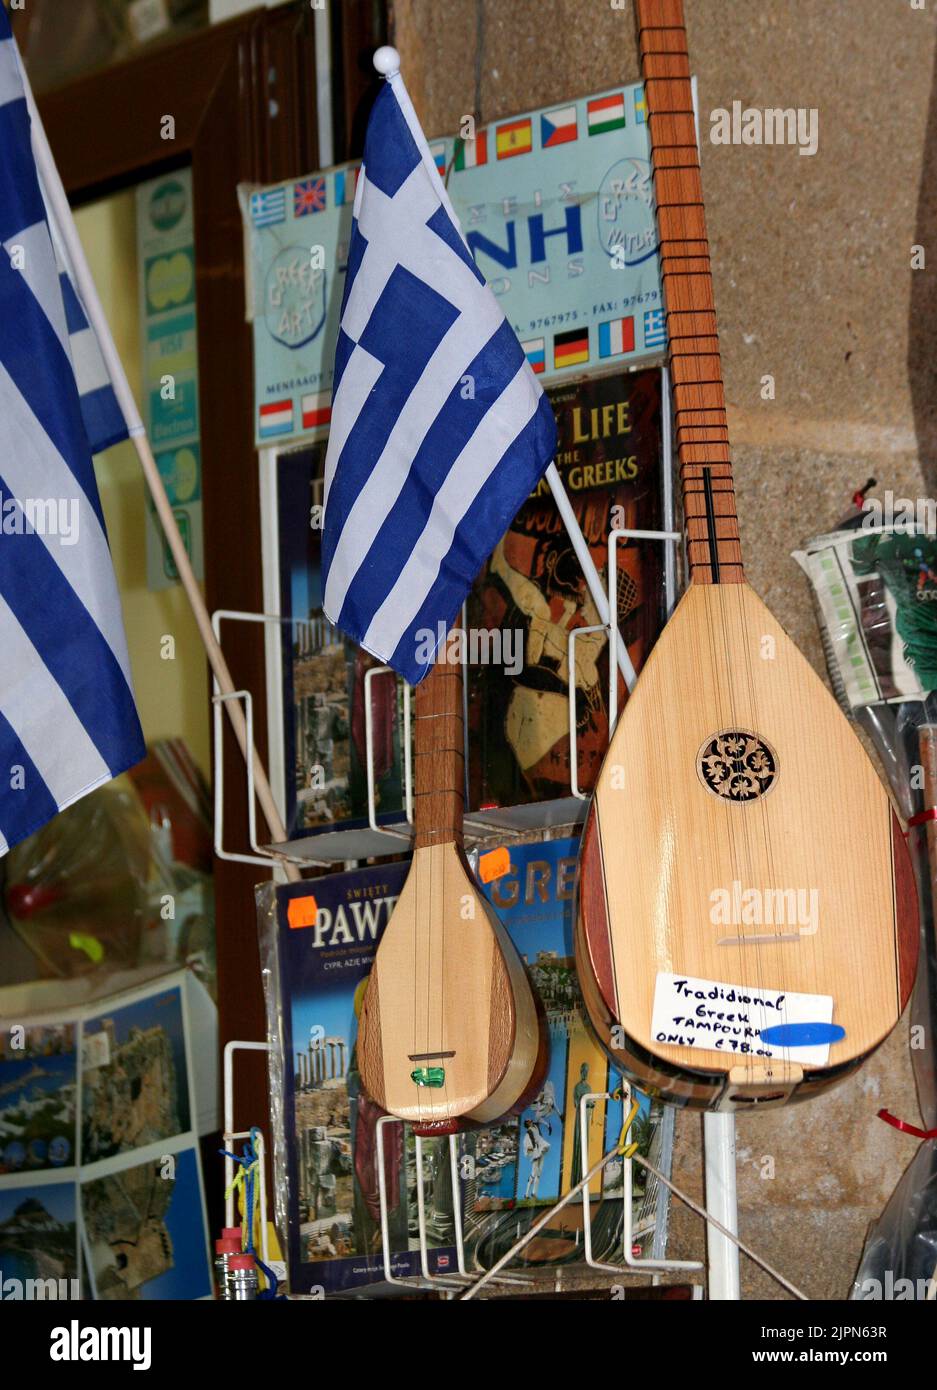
81	891
900	1256
317	943
178	805
876	597
265	897
123	877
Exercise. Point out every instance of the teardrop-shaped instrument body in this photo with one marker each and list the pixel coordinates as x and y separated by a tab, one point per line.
449	1033
740	835
449	1030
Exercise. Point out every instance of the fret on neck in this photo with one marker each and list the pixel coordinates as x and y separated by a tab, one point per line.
701	435
439	758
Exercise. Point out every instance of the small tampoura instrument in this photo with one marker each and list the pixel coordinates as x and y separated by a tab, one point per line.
747	921
449	1034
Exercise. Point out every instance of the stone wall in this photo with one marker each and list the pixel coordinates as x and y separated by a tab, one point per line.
811	260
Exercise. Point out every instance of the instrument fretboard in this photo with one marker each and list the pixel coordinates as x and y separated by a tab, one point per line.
439	757
701	434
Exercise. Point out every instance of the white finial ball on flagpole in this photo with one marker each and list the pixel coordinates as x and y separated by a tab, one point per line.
387	61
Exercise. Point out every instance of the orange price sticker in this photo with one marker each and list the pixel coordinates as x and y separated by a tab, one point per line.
302	912
494	864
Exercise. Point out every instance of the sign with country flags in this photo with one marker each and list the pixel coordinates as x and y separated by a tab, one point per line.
557	208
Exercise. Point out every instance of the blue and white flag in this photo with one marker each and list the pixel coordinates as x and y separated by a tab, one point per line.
439	429
68	722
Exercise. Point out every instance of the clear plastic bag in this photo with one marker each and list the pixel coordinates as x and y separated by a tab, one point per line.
265	897
81	891
876	598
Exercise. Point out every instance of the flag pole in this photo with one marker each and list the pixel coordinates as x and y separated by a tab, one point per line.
387	62
58	198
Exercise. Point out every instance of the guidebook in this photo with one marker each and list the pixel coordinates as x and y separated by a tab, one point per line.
321	937
516	1169
531	595
324	675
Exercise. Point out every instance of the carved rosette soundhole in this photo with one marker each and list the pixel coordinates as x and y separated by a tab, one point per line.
737	765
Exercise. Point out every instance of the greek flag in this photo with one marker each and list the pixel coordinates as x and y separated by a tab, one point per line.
67	716
440	429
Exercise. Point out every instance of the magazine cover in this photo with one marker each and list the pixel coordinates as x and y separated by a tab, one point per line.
323	678
327	932
531	594
515	1169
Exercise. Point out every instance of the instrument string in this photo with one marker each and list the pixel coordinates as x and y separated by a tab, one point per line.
740	853
725	717
739	850
684	253
740	692
748	968
458	810
751	812
764	811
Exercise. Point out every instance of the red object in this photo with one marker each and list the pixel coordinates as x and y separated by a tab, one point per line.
905	1127
366	1157
319	415
24	899
170	785
228	1247
923	817
383	709
302	912
231	1233
241	1262
495	864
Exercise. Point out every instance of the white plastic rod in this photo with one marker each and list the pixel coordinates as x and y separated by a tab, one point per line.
58	200
722	1203
584	556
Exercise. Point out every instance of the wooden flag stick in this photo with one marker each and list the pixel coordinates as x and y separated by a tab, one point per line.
55	192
